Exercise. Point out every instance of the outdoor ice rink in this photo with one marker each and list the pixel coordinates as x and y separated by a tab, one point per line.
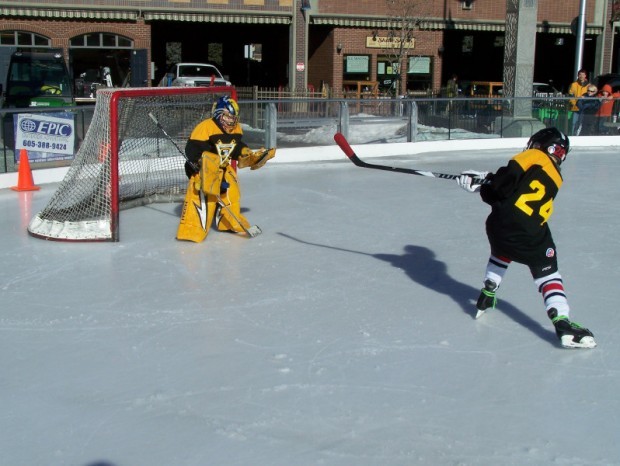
343	335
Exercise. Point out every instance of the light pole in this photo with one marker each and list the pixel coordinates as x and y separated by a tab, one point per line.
581	29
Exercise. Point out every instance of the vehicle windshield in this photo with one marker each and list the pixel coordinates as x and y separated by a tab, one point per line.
38	78
197	70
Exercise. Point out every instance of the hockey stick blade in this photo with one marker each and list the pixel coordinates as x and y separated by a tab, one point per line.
350	153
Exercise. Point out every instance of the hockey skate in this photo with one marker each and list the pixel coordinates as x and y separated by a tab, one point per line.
487	298
571	334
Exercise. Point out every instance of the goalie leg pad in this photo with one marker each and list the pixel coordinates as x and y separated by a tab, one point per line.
211	173
197	215
232	199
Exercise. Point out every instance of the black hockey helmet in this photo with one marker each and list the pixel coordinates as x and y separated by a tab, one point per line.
552	142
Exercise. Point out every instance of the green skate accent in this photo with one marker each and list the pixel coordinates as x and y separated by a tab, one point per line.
490	294
566	319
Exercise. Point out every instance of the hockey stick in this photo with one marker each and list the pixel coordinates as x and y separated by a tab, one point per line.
253	230
348	150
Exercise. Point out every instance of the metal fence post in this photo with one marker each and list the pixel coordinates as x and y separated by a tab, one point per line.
412	121
343	119
271	125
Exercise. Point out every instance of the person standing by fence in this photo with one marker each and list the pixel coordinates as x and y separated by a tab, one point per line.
605	109
588	108
577	89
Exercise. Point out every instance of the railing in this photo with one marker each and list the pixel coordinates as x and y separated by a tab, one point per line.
309	121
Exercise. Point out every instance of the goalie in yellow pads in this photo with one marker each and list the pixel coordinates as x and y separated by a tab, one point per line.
213	190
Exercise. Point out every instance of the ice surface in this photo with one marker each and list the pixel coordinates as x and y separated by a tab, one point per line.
343	335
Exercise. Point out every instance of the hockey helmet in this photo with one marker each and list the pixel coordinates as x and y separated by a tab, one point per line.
552	142
226	113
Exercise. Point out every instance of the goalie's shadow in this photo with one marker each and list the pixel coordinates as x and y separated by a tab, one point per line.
421	265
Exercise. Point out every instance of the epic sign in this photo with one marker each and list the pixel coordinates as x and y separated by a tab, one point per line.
51	128
46	136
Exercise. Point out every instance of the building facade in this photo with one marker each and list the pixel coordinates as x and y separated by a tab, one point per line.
393	46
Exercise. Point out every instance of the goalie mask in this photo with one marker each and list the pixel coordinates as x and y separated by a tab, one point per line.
552	142
226	113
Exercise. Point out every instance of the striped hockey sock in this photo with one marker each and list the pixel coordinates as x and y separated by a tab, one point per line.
496	269
553	293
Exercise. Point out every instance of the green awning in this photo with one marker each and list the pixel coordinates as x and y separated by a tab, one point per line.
129	15
217	17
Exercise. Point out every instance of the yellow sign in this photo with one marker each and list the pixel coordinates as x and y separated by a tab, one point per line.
388	43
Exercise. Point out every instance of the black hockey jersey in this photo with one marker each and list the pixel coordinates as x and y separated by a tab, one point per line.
521	196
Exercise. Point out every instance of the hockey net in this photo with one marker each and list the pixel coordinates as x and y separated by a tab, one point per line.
125	160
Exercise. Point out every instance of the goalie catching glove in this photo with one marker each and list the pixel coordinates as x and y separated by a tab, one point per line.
471	180
255	159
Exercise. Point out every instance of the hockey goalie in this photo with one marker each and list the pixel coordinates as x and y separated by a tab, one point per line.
213	190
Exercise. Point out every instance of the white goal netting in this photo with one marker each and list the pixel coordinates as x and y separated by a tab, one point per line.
125	160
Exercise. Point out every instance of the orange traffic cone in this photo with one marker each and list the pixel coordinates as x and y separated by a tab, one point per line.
24	180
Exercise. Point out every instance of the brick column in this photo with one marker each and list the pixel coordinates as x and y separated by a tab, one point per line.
521	16
299	45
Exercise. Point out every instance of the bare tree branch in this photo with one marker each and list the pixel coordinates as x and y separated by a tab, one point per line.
405	18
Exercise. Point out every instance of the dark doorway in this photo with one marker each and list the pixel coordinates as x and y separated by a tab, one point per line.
225	45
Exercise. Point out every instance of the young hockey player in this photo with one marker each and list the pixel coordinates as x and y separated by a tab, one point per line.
521	196
213	190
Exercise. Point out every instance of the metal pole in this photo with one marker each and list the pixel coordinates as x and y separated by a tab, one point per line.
581	32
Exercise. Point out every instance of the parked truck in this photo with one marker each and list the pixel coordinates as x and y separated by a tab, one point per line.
37	79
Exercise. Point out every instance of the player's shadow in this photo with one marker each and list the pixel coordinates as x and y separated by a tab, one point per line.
421	265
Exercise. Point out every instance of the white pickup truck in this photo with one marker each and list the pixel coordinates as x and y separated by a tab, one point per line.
193	75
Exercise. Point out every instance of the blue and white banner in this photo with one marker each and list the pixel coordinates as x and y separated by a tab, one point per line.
46	136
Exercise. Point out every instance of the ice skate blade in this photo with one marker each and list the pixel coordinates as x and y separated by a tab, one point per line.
586	342
480	314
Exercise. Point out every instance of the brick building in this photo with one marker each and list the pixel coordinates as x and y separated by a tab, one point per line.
411	44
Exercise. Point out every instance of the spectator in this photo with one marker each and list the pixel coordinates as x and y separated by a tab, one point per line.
577	89
605	109
452	87
588	106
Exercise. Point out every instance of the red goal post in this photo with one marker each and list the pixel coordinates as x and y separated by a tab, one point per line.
125	160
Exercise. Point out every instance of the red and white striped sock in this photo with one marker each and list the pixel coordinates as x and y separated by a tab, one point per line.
553	293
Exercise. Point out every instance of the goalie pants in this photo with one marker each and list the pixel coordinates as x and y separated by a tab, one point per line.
200	208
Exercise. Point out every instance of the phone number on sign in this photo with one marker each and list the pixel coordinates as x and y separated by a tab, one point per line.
44	145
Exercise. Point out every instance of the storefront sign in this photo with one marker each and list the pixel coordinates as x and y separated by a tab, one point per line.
46	136
388	43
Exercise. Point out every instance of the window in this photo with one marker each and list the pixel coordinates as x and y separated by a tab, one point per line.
215	53
101	40
419	73
388	73
24	39
356	67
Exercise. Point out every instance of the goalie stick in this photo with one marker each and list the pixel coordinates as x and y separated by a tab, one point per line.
254	230
350	153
